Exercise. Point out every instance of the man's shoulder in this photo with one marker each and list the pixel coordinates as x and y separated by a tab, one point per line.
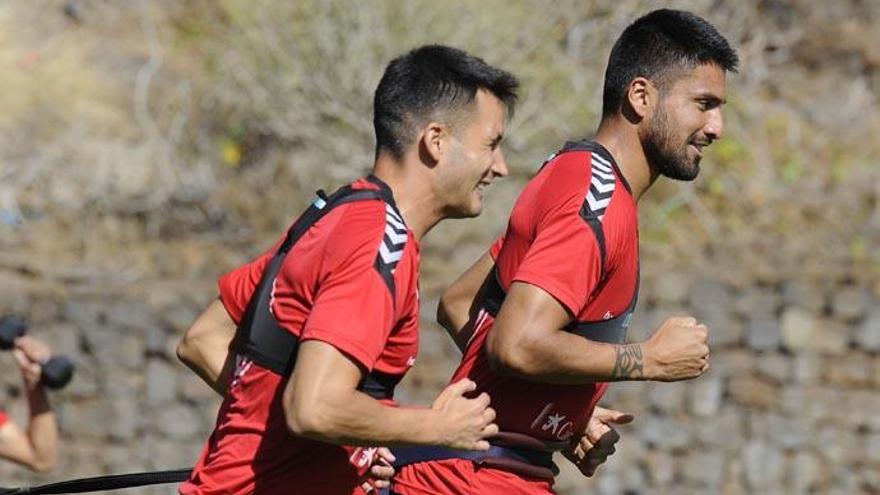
581	158
374	231
580	174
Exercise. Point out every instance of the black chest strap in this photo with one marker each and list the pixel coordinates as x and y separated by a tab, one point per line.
610	331
260	338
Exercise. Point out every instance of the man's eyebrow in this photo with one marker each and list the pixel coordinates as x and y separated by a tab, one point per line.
712	98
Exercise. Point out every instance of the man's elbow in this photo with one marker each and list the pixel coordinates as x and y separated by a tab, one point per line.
190	348
42	465
309	421
511	358
445	310
185	350
300	423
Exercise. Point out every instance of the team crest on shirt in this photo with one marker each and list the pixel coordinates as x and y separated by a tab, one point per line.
242	364
554	423
363	456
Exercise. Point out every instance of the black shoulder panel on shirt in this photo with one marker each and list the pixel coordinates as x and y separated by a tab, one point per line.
392	246
603	180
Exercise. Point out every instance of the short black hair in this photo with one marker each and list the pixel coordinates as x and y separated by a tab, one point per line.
430	82
660	45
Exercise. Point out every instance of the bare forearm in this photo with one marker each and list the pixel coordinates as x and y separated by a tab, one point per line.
527	341
462	299
205	347
564	358
453	316
213	365
321	401
42	431
361	420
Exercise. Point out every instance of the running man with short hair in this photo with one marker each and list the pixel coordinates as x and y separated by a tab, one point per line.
542	316
326	323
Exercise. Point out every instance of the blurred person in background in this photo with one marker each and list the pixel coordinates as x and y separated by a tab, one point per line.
35	448
340	312
542	316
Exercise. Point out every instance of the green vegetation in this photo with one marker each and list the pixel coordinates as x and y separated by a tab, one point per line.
199	114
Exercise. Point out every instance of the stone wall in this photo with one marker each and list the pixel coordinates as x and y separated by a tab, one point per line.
790	404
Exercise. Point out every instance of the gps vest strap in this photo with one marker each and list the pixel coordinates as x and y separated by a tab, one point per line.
509	451
611	331
520	460
260	338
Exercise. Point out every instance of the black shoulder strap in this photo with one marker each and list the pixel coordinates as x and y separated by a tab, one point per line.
592	218
259	336
613	330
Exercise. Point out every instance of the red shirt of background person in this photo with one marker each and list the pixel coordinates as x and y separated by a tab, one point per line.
440	117
664	87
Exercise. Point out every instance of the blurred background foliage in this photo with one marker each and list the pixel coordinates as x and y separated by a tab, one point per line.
221	117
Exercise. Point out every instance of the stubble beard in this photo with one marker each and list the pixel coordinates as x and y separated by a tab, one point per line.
466	204
664	156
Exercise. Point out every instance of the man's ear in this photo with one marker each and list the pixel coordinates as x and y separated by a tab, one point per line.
641	96
433	141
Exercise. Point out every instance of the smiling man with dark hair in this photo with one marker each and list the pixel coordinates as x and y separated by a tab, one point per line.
542	317
325	324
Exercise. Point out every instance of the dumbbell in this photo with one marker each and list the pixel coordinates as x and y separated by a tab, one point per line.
56	372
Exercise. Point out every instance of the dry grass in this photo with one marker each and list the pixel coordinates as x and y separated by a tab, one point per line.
193	117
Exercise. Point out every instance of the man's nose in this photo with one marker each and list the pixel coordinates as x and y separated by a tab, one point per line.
499	167
714	127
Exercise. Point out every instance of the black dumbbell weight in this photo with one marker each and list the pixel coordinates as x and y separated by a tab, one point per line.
56	372
11	328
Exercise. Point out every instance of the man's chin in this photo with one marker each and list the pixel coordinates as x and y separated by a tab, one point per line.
469	211
682	171
476	207
474	211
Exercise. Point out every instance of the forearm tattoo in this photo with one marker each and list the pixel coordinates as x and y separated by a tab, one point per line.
628	364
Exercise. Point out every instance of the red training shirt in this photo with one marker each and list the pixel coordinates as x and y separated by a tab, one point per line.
550	244
330	288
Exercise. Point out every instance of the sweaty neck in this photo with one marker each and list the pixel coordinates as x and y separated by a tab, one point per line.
415	199
621	139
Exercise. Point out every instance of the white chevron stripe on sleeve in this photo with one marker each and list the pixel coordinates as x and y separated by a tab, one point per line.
598	158
395	236
388	256
608	176
603	188
390	220
597	204
390	211
597	167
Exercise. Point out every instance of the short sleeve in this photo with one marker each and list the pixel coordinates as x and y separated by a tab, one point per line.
237	287
495	248
354	306
564	258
